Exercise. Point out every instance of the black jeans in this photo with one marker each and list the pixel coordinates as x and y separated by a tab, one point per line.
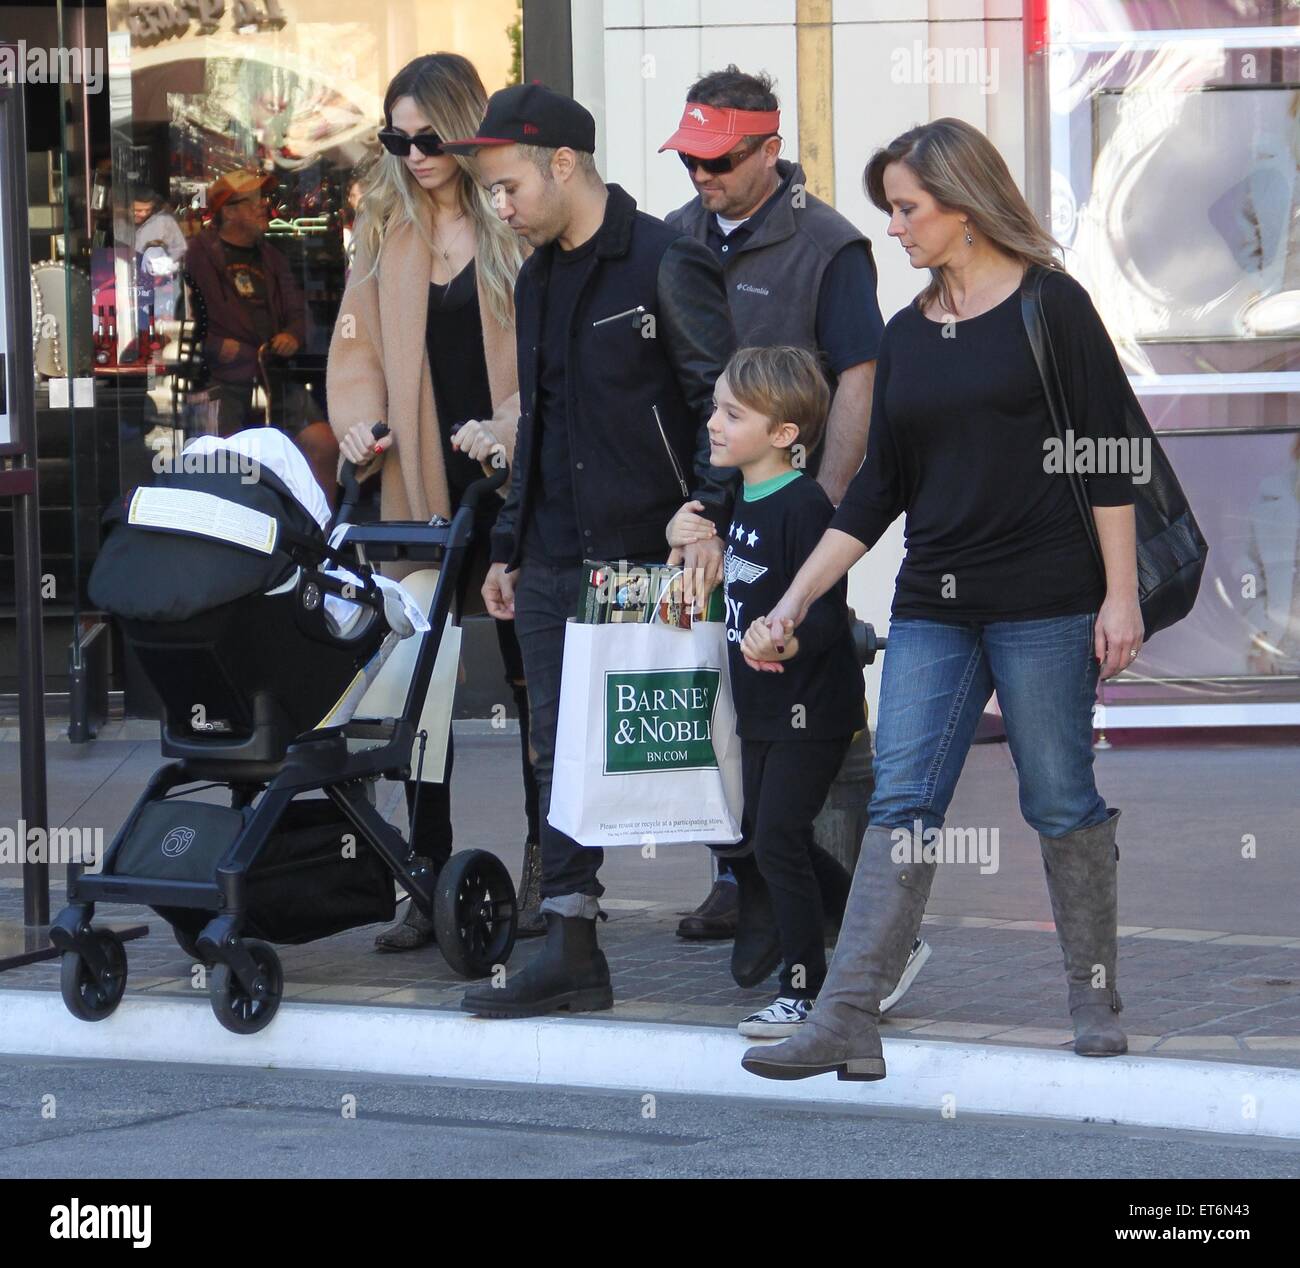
433	832
545	597
785	783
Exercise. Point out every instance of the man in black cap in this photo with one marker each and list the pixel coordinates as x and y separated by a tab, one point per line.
622	328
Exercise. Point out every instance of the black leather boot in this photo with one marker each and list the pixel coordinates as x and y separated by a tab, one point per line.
714	920
569	972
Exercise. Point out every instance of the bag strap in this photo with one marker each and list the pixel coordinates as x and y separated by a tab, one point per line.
1040	341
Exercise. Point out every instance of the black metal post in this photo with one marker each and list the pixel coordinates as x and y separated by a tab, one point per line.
20	478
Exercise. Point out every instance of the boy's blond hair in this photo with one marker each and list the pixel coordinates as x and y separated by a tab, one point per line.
786	385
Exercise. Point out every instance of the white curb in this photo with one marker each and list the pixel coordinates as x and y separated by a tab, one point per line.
639	1057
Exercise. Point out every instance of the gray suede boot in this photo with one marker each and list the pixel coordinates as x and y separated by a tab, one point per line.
1081	879
881	920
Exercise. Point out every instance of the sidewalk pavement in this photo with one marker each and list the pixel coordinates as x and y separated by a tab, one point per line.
1209	959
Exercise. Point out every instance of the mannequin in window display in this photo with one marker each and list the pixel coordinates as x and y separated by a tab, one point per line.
1260	221
1272	558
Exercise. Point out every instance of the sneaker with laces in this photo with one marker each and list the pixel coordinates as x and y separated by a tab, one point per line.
920	953
779	1020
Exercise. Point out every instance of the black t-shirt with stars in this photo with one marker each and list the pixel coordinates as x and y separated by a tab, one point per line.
775	527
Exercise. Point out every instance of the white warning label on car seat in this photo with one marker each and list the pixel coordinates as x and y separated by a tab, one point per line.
189	511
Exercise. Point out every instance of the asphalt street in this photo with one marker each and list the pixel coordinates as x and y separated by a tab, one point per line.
137	1120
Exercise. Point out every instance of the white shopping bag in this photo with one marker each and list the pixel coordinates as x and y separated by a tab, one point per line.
387	694
646	748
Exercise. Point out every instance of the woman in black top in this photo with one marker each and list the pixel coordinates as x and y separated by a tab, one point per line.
999	589
425	342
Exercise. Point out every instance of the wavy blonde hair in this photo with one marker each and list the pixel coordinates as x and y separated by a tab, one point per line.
961	169
451	95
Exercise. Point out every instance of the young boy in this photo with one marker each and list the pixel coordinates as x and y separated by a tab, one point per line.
770	406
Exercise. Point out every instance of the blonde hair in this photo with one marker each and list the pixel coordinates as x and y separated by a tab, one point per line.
450	94
961	169
784	384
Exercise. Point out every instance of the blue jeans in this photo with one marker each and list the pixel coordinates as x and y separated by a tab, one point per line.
936	680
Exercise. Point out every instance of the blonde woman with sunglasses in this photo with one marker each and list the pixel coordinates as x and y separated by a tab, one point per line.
425	342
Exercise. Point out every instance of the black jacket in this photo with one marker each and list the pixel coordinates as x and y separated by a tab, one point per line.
671	340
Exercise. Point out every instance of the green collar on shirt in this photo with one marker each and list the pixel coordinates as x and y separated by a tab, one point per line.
753	492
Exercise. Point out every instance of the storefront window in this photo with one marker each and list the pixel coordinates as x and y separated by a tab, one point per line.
289	88
1176	190
190	91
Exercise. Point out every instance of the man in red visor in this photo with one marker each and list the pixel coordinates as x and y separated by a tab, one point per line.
797	272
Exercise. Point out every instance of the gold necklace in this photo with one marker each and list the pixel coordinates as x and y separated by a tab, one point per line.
446	253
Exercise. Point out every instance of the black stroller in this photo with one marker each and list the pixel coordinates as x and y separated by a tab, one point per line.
220	585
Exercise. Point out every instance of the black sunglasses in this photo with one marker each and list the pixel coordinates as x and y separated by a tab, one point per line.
398	143
720	166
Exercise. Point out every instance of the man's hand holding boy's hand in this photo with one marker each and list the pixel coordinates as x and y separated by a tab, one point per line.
763	650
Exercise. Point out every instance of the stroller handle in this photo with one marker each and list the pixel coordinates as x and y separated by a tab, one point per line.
351	485
488	484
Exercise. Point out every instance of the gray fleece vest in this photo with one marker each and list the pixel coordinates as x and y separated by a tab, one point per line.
774	279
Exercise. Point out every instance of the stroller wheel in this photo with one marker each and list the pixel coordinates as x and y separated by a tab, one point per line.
233	1006
87	996
474	912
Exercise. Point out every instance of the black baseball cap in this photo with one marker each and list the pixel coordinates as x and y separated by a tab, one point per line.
529	114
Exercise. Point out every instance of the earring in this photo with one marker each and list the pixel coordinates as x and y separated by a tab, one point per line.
970	242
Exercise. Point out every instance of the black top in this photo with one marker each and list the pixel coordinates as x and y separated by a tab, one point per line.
551	532
958	425
248	280
849	324
819	696
454	337
638	393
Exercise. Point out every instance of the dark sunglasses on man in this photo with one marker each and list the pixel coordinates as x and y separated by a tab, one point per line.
721	166
399	144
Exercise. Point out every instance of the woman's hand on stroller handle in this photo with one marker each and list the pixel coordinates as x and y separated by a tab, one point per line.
477	441
362	442
356	441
